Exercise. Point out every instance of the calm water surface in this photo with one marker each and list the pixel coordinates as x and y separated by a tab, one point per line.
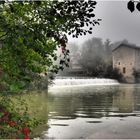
83	112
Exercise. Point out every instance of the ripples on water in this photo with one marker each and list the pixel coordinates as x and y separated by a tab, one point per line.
110	111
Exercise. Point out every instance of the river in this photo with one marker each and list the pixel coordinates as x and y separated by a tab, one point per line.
81	111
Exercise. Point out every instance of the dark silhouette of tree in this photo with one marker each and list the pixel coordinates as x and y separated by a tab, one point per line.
132	4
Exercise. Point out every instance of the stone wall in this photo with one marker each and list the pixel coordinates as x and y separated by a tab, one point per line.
124	60
137	59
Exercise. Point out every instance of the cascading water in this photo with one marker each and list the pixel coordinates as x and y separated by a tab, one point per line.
83	81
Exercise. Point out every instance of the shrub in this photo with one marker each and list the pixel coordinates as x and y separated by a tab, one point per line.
14	123
113	73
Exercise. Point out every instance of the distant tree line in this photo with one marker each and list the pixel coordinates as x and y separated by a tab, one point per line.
94	57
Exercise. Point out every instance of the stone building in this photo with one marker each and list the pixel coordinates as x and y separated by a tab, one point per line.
126	58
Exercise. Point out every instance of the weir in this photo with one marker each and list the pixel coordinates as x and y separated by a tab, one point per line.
61	81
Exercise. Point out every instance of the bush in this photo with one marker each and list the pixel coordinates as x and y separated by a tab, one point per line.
113	73
15	122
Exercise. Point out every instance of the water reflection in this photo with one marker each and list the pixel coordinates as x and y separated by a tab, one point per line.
74	108
95	102
123	100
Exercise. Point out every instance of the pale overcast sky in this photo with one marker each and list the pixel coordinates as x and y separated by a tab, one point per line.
117	23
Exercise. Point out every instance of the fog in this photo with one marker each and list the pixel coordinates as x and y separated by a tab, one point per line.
118	23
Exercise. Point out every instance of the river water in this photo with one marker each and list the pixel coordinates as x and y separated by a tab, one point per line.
101	109
93	111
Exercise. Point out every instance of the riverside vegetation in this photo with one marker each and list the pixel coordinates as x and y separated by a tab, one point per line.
30	34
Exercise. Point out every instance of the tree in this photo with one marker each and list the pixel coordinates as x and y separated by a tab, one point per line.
92	56
108	51
31	32
96	58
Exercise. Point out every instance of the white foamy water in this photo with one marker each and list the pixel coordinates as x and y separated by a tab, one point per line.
78	81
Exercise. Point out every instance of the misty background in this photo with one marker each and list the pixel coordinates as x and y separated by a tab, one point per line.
92	58
91	55
118	23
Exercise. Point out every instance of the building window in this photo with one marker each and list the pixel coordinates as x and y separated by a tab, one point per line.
124	70
118	63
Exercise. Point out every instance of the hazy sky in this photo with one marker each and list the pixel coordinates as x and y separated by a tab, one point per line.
117	23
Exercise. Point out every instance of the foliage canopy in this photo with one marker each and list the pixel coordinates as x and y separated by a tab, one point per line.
31	32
